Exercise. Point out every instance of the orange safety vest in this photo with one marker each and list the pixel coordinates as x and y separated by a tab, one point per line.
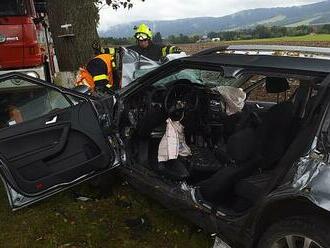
85	78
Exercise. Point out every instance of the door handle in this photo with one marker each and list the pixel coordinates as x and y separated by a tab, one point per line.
51	121
259	106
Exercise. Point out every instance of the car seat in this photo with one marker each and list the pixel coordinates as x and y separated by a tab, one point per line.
253	149
252	187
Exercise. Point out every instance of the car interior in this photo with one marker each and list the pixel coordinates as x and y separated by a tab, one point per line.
233	156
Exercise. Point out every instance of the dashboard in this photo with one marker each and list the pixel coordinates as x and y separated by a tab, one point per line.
150	107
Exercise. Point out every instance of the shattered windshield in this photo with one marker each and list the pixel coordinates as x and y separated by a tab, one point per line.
135	66
204	77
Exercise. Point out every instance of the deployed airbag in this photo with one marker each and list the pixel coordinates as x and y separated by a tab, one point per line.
234	98
173	142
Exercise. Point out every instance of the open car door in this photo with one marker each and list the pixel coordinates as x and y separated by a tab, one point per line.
51	138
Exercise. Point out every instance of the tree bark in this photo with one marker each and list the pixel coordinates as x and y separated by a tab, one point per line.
73	51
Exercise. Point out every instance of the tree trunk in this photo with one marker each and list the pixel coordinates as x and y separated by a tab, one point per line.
73	51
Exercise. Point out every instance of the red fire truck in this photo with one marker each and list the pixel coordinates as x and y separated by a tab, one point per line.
24	39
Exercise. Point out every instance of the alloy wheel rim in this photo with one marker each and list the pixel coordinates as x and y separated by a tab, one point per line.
296	241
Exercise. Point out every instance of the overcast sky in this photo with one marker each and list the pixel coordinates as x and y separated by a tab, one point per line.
176	9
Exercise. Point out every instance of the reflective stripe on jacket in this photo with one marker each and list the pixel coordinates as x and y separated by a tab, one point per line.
107	59
169	50
96	72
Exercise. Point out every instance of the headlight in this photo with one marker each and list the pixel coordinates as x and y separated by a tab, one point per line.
32	74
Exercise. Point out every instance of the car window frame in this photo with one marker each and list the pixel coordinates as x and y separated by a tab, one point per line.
47	94
63	91
180	64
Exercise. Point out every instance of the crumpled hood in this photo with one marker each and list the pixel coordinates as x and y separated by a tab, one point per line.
313	178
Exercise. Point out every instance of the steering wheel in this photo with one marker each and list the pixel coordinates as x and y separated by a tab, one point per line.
181	96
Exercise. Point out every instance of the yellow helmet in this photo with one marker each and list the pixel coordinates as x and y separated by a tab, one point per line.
143	32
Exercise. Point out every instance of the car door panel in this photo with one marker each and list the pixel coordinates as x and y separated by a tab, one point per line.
41	158
52	147
23	148
259	106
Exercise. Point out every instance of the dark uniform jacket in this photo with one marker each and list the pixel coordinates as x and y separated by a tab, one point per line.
155	51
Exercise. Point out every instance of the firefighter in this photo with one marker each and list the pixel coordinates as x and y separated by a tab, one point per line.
147	48
100	73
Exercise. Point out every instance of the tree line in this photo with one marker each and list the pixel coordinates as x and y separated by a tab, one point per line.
180	39
157	38
263	32
259	32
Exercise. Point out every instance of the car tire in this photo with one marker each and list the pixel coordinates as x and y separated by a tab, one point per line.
297	231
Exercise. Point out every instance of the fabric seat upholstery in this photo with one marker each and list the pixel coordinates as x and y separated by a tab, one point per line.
300	99
251	150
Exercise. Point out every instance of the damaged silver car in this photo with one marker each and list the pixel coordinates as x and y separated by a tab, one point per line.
235	139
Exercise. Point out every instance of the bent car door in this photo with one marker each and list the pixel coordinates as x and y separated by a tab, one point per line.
51	138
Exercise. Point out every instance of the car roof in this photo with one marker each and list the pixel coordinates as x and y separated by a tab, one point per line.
248	57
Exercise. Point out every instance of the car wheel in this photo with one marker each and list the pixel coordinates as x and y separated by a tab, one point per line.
299	232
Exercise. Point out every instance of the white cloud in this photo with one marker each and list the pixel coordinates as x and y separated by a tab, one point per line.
177	9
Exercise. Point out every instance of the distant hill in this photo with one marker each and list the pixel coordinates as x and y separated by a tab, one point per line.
317	13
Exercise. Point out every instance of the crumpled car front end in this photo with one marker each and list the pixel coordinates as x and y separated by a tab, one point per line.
312	177
312	170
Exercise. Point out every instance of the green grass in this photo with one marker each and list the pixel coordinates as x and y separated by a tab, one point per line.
63	222
305	38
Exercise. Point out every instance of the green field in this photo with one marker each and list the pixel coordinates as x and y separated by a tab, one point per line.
305	38
318	40
65	222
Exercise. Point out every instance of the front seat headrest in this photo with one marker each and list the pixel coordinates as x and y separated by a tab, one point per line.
276	85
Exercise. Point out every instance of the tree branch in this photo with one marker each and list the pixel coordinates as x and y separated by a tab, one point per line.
116	4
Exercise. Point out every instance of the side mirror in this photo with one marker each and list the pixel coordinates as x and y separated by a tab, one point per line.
82	89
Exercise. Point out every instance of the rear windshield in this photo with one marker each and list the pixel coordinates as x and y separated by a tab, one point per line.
12	8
